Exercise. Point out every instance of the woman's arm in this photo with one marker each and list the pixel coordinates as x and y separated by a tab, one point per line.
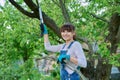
48	46
74	60
81	59
46	39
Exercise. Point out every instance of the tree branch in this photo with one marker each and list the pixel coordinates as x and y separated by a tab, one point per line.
51	24
31	5
47	20
32	15
118	34
64	11
99	18
56	3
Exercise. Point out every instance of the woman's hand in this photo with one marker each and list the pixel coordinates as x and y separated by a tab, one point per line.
43	28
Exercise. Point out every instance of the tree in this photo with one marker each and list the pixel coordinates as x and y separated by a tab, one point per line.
94	21
18	45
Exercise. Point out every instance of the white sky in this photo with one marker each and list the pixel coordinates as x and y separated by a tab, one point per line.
2	2
82	2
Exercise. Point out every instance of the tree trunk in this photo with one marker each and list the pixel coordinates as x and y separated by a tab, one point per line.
103	71
114	32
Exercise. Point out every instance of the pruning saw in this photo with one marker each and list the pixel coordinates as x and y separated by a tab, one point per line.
41	19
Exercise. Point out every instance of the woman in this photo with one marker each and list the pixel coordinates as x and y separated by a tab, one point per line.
71	50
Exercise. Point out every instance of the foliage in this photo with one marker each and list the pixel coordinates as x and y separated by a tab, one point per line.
88	19
20	41
115	59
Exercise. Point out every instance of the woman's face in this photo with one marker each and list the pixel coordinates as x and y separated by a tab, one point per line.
67	36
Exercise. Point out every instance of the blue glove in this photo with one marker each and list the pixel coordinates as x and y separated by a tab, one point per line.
43	28
61	58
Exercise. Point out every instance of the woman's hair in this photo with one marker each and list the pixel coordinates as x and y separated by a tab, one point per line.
69	27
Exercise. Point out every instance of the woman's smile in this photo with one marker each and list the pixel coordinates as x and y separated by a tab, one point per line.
67	36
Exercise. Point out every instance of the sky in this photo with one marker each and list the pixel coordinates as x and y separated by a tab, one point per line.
82	2
2	2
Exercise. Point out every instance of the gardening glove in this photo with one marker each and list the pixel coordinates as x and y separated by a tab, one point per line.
43	29
61	58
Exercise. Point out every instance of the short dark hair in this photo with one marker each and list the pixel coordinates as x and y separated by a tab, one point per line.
69	27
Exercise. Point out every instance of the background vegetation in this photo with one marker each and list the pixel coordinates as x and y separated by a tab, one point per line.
20	41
